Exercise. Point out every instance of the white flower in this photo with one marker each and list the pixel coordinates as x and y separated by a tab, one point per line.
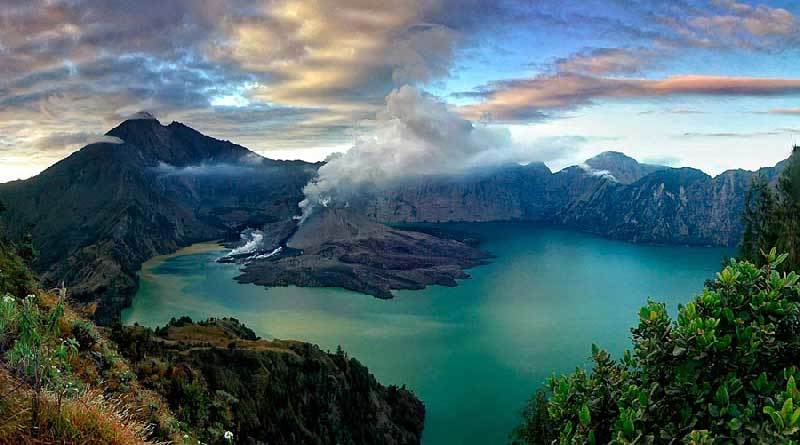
228	435
8	299
185	437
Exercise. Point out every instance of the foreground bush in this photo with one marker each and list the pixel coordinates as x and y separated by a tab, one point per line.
726	371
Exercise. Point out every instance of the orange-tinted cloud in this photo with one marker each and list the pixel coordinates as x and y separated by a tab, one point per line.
524	99
790	111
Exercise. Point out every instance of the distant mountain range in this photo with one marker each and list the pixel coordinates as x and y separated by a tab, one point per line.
610	195
97	215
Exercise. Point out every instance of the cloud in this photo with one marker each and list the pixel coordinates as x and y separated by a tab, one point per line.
82	64
602	61
754	134
789	111
521	99
416	135
340	54
62	141
674	111
313	74
741	25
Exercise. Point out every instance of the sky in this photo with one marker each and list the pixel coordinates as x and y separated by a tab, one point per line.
711	84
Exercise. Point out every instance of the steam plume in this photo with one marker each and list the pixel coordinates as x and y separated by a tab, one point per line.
416	135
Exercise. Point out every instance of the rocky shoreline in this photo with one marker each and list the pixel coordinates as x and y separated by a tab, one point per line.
341	248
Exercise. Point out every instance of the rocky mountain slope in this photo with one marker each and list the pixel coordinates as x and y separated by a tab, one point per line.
649	204
98	214
218	376
622	168
343	248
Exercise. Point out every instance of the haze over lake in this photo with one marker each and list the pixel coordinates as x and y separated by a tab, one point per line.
473	353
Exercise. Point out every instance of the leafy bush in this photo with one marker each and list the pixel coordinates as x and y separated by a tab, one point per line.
15	277
725	371
772	216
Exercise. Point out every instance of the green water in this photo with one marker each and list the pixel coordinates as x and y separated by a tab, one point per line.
473	353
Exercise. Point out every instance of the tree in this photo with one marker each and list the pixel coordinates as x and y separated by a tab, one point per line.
788	214
725	371
759	216
772	218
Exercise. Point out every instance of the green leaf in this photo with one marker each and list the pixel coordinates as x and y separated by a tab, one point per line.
787	409
795	417
776	418
627	426
721	396
585	416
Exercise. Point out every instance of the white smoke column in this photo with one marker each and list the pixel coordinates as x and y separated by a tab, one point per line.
415	135
252	242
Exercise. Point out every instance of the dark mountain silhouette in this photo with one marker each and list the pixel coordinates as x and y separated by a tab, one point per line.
98	214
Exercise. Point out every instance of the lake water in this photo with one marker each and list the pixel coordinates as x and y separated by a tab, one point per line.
473	353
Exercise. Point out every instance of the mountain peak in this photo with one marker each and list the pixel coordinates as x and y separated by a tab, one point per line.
141	115
622	167
611	155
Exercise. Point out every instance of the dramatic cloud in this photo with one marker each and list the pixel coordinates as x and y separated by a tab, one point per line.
735	24
524	99
416	135
602	61
303	76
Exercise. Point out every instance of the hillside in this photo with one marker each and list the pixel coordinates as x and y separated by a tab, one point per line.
101	212
217	376
64	381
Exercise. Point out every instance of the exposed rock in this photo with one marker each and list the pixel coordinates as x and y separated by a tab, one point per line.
667	205
276	392
342	248
622	168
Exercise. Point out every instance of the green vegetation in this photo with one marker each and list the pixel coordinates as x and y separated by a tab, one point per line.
220	379
15	277
61	381
49	390
726	371
772	217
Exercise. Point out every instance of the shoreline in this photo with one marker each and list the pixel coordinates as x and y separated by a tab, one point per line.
201	247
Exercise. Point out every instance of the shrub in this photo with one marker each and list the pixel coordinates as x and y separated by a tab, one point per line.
725	371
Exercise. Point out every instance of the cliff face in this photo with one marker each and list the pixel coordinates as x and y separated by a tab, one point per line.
649	204
217	376
101	212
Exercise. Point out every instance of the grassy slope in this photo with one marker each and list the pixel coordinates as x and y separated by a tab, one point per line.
108	407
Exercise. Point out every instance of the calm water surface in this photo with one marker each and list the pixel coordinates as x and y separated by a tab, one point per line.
473	353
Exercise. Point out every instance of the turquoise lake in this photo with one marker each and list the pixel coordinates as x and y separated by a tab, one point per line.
473	353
